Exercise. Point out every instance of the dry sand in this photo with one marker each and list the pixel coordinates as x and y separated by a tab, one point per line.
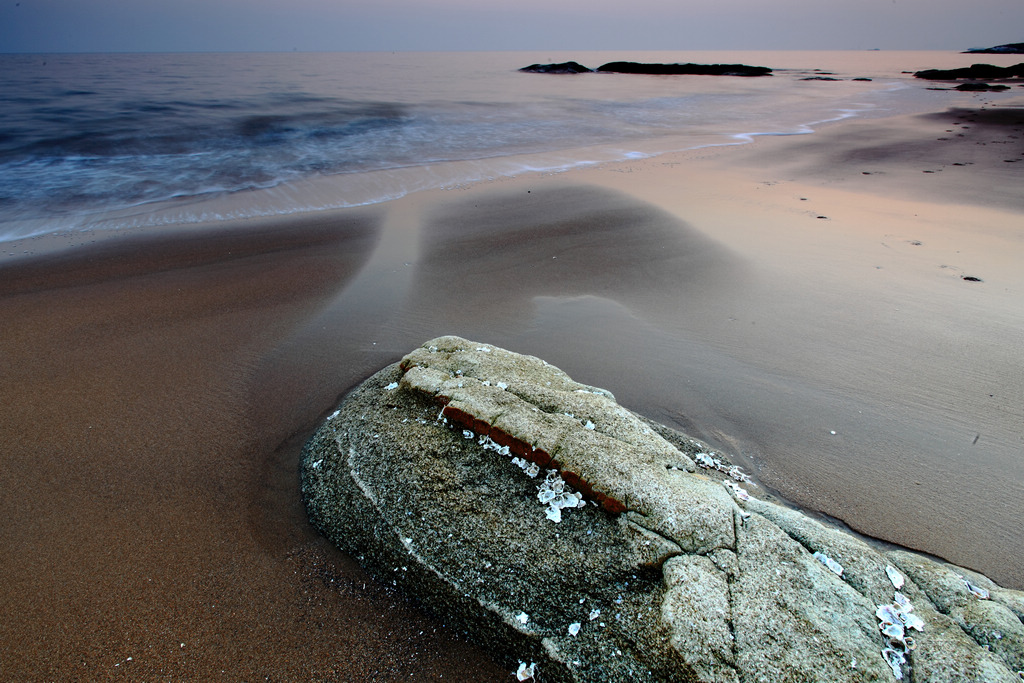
156	389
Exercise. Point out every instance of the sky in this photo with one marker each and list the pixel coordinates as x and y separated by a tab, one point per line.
441	25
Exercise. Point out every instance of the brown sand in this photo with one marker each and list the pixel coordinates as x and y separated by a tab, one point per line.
152	529
156	390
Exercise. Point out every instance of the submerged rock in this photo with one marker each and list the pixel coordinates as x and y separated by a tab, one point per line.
663	573
981	87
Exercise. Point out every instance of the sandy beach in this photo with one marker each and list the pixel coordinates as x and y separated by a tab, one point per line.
843	313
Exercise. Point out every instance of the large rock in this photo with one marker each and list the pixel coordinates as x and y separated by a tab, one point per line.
660	570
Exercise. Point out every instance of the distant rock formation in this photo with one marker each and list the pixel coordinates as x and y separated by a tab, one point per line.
975	71
685	69
563	68
981	87
584	543
657	69
1008	49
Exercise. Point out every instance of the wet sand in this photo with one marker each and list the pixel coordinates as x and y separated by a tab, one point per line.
152	528
157	388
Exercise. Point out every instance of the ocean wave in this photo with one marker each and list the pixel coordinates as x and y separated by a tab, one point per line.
105	145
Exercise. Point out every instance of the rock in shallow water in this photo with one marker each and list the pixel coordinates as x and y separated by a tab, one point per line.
685	69
562	68
423	474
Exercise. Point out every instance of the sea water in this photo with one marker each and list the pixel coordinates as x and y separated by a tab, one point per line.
129	140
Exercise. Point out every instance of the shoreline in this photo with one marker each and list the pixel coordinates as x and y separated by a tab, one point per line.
315	195
170	379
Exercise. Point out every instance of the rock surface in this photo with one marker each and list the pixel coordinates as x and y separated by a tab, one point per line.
666	570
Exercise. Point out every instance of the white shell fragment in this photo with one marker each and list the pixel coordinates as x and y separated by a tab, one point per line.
523	618
894	576
889	614
554	493
489	444
913	621
736	473
574	628
525	673
710	462
531	468
894	631
976	591
894	659
895	620
391	387
705	460
737	490
834	566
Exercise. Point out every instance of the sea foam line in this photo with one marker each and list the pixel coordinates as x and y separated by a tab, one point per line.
352	190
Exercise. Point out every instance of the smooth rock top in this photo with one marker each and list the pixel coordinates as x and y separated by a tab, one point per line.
663	564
